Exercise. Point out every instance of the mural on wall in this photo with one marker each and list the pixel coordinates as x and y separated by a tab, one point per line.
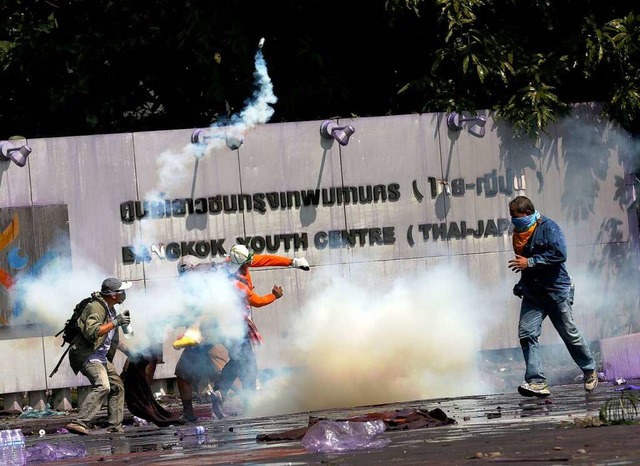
29	238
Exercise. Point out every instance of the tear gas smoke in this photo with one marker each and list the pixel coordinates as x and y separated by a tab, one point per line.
358	346
158	313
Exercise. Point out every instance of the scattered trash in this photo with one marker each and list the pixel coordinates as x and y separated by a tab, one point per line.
44	451
138	421
41	432
619	381
160	394
29	413
187	431
192	440
627	387
492	454
588	421
402	419
336	436
12	449
493	415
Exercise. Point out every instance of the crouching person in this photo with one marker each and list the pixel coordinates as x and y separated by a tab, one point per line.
92	354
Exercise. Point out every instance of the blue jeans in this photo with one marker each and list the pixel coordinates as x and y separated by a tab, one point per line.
532	314
107	385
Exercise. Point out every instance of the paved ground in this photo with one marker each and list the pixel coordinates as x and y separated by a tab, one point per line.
500	428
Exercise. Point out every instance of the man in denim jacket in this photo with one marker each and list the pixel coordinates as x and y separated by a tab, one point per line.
546	290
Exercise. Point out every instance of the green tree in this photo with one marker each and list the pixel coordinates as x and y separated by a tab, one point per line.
71	67
529	62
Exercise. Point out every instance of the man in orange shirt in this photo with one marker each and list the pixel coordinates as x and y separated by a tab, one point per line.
242	361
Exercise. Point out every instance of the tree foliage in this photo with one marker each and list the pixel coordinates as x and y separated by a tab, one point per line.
71	67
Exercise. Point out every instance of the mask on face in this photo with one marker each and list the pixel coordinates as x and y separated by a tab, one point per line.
521	224
122	295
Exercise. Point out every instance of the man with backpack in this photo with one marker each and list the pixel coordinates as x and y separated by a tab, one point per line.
92	353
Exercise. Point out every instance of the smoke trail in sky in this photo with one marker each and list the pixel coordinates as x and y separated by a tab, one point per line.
257	110
173	168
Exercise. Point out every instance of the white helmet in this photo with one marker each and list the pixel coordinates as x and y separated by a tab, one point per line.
187	263
239	256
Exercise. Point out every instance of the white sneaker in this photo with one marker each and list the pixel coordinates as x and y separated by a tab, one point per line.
590	381
539	389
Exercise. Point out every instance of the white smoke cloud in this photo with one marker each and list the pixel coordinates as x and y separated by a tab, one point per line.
209	297
156	312
419	339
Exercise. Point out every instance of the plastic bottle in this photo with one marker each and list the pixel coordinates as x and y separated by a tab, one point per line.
12	449
187	431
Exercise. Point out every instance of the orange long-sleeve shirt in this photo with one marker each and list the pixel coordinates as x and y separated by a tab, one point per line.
263	260
259	260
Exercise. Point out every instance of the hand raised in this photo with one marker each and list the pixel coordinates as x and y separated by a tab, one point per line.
277	291
518	264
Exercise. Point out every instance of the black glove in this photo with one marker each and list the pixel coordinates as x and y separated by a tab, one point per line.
122	319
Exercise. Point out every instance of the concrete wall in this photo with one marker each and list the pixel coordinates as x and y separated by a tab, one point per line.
576	175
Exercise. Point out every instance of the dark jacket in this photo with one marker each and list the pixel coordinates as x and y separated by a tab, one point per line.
548	277
93	316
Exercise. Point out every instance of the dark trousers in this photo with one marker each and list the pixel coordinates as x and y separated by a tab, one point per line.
242	365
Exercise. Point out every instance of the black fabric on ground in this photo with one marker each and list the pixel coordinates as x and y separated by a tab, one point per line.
139	398
406	419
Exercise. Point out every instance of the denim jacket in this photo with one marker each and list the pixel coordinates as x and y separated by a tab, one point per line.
547	276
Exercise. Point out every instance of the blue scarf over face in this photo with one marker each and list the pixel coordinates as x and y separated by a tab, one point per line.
521	224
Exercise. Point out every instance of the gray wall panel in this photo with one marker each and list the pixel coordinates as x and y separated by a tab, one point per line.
401	150
292	157
89	174
480	189
24	369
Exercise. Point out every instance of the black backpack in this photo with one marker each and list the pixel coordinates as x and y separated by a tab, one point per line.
71	330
